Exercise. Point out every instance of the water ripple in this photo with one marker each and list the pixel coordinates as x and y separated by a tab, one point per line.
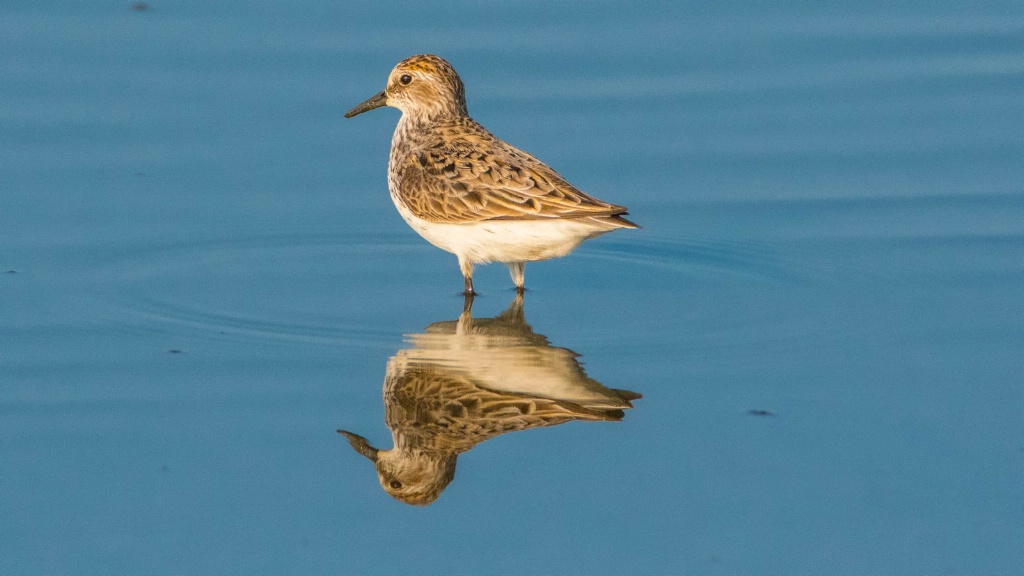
300	288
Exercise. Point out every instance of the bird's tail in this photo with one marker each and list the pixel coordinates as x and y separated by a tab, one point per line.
613	221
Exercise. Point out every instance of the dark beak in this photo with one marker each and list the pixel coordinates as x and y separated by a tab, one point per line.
375	102
360	444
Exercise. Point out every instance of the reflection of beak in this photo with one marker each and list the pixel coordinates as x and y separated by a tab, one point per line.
375	102
360	444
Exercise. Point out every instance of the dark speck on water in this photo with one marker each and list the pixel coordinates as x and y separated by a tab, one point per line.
759	413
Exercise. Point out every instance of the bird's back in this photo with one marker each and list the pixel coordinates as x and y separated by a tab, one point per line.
458	172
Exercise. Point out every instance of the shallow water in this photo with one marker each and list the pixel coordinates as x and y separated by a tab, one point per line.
205	278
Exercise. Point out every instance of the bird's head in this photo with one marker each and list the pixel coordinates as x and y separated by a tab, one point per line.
424	87
412	476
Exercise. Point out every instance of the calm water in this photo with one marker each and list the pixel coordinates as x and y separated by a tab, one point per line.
205	279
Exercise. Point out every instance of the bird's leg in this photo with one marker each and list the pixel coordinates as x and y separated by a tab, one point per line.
467	273
516	269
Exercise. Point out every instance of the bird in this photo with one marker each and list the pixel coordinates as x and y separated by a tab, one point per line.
470	193
466	381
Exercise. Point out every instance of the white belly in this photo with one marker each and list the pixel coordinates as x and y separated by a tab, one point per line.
505	240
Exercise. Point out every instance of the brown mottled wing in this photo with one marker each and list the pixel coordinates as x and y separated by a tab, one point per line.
447	411
475	177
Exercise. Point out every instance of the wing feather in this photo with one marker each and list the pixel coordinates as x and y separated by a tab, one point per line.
467	175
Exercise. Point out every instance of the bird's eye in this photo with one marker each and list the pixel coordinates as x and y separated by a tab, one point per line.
405	79
395	484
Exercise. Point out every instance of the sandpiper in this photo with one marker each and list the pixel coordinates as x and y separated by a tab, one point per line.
470	193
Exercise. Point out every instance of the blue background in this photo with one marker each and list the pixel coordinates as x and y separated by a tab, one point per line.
204	277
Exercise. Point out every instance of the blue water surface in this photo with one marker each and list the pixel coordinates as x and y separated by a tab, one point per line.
203	277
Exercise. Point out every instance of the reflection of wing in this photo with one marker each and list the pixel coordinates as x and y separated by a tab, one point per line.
504	365
441	410
507	356
467	175
469	380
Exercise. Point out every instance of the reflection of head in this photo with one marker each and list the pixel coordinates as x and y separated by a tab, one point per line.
412	476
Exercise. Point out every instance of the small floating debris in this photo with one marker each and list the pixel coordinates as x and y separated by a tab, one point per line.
759	413
139	6
11	272
175	351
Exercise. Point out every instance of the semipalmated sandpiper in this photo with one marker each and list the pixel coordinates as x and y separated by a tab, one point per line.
470	193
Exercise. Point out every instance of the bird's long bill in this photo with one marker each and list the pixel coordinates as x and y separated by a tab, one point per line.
361	445
375	102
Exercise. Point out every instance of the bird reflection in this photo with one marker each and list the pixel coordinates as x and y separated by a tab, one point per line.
466	381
